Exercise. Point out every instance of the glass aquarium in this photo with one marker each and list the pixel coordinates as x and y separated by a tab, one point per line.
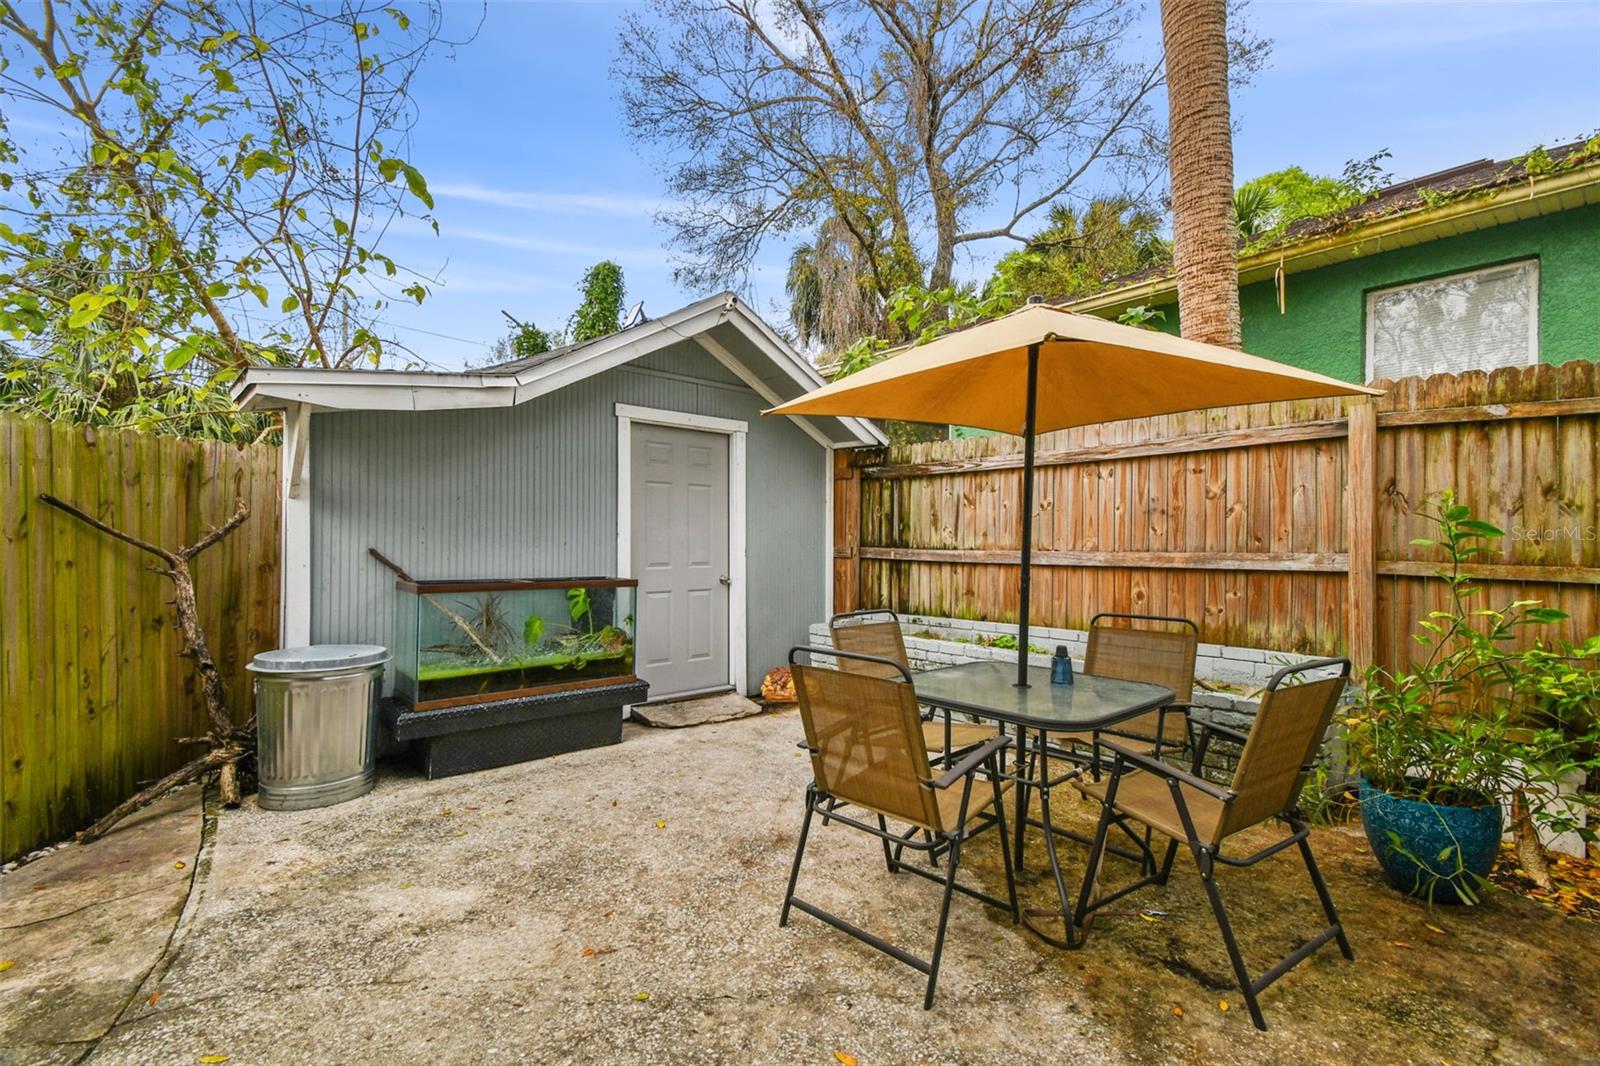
460	642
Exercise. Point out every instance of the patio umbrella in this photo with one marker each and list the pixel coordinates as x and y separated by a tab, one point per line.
1040	369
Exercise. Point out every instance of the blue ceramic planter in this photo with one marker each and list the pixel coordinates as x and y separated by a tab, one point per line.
1434	849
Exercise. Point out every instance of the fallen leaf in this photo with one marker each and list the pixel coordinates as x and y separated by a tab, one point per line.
588	952
1177	1011
1222	1005
1435	928
661	823
214	1058
608	914
151	1002
613	803
6	964
845	1058
1402	944
178	865
641	996
1148	917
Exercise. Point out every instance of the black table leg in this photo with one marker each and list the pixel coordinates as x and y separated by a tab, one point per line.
1070	939
1022	798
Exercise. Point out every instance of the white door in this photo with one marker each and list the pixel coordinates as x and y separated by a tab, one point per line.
680	557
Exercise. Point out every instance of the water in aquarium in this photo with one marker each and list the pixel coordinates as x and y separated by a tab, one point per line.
464	646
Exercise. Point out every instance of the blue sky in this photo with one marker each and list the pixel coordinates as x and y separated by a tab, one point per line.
522	141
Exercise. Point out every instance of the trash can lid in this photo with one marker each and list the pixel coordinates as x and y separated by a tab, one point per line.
319	657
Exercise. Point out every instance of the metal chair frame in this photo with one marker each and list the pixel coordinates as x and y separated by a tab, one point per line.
965	773
1207	855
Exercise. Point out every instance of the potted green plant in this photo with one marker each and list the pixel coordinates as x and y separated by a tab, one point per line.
1476	727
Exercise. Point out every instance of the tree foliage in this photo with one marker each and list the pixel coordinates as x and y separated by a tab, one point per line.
832	300
227	172
600	312
1267	206
922	126
1077	251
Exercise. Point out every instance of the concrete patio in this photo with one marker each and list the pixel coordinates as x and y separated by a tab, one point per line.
620	905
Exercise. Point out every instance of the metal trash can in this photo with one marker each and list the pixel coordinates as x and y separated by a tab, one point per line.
316	723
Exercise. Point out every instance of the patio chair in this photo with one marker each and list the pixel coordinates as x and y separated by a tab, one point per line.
1278	752
864	735
877	633
1162	657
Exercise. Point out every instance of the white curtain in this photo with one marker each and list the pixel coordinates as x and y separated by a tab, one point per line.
1477	321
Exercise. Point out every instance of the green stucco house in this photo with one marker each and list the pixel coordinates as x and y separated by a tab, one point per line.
1486	265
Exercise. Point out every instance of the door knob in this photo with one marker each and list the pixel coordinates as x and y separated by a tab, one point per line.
726	580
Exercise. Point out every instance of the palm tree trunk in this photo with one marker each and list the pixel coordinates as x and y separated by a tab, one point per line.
1200	155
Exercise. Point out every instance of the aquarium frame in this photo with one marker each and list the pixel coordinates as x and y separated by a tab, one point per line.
736	432
427	587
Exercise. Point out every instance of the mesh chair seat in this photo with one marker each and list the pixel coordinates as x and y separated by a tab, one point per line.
1147	798
866	740
877	633
949	802
961	735
1163	657
1277	753
1145	745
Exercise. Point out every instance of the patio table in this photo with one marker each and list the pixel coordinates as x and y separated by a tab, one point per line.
989	690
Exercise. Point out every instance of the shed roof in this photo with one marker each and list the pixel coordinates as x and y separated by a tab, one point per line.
723	326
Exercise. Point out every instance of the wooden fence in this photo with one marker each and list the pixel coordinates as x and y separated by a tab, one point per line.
1284	526
92	691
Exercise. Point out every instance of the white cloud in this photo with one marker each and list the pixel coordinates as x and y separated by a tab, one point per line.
622	204
625	256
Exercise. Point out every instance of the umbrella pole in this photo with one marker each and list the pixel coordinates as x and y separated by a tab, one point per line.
1026	586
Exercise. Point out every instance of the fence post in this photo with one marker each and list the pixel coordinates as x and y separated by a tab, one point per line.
1361	501
846	531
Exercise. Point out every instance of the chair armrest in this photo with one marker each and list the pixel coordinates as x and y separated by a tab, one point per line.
1166	770
971	762
1236	735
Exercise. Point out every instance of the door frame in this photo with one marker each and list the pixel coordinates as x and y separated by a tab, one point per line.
736	432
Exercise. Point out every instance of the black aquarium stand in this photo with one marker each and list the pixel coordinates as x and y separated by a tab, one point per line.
480	736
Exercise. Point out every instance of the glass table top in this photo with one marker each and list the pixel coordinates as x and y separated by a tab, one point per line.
989	690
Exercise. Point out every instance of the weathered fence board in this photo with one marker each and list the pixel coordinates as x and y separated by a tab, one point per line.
1284	526
92	692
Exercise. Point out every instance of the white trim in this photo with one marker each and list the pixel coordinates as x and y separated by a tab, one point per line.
737	432
827	534
757	386
296	490
1533	307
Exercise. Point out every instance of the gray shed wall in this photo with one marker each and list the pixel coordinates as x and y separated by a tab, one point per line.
531	491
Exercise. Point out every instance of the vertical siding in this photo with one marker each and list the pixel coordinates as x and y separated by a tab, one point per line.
531	490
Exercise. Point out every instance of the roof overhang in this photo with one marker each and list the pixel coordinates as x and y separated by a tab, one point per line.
1474	211
722	325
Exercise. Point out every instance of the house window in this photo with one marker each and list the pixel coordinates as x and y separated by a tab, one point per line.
1480	320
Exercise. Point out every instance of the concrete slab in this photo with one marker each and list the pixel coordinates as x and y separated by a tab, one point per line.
83	926
620	906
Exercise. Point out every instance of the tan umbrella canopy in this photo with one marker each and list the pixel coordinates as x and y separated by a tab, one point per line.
1040	369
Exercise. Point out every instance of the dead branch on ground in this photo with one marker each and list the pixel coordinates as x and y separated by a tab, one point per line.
228	743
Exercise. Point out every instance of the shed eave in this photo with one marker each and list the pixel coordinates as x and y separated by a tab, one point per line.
779	373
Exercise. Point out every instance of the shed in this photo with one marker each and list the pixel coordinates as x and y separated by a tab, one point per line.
641	454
